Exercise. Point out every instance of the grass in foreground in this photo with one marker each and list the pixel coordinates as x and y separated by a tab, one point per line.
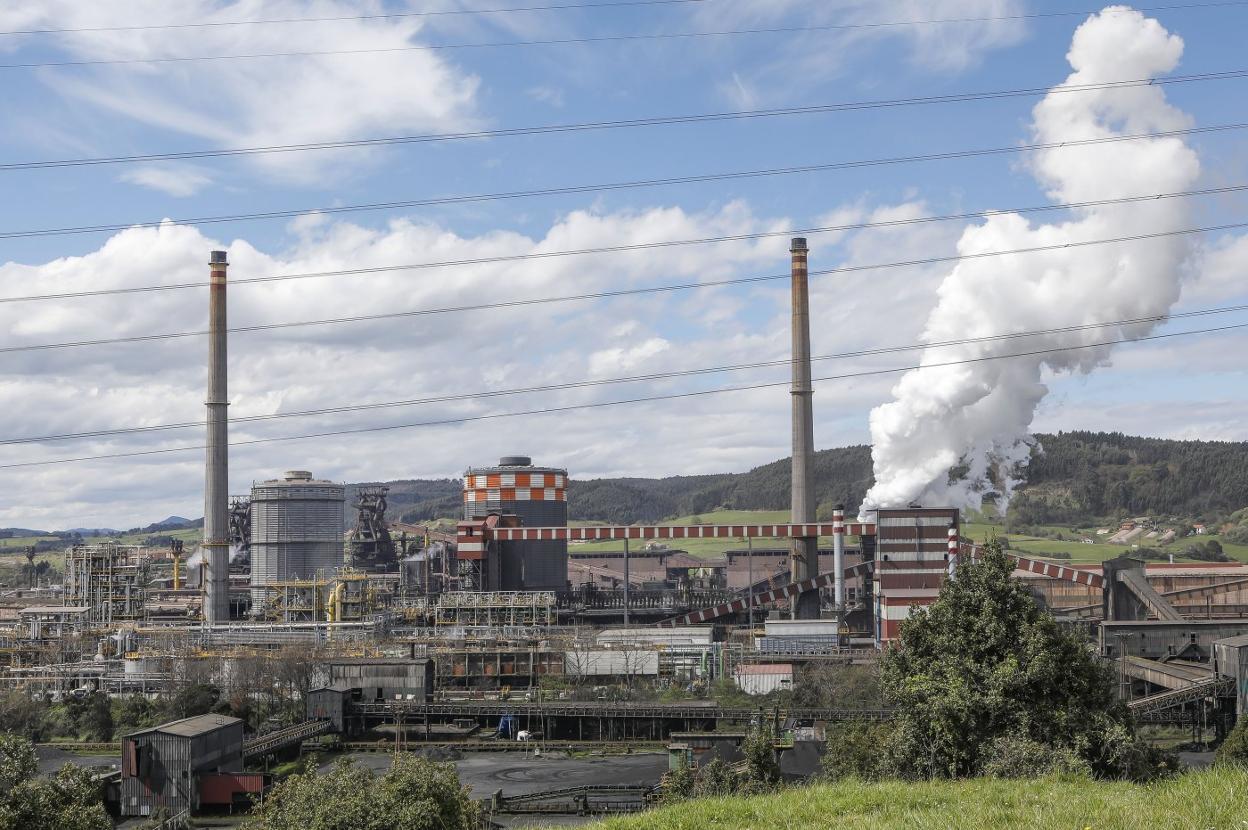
1215	799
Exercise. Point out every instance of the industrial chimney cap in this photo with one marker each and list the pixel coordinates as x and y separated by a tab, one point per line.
217	258
515	461
798	244
297	475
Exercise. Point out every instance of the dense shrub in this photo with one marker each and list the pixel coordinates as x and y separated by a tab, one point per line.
1234	749
1017	756
414	794
853	751
984	663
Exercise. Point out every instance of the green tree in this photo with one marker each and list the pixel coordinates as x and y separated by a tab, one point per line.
715	778
136	712
762	768
192	700
985	662
69	800
678	784
853	750
18	763
91	716
414	794
1234	749
1017	756
22	715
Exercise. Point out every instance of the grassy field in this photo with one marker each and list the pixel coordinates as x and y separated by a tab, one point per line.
709	548
1214	799
1098	551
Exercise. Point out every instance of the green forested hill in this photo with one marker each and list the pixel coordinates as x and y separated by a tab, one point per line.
1086	474
1073	476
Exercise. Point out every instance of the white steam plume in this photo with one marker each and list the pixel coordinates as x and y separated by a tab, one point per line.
976	417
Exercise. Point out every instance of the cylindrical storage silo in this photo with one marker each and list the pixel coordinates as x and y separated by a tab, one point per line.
538	496
296	529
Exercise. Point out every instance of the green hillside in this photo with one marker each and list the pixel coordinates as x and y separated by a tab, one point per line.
1073	478
1215	799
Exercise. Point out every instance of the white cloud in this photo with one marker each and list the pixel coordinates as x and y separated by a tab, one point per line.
1222	273
546	95
808	59
74	390
175	180
263	101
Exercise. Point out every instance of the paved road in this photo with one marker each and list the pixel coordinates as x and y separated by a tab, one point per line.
50	760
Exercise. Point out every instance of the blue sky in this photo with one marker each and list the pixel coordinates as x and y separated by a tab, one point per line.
1182	388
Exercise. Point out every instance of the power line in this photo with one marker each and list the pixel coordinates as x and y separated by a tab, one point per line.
626	185
564	41
591	6
651	121
600	404
213	24
1157	318
846	269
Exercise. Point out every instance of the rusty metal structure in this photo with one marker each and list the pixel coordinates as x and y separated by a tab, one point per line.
371	545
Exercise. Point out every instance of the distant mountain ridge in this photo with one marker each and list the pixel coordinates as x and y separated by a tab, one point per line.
1073	477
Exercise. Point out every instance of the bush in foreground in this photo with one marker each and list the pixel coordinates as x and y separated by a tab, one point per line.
1234	749
983	664
69	800
414	794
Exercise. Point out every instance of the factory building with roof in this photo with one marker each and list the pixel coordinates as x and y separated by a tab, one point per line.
184	765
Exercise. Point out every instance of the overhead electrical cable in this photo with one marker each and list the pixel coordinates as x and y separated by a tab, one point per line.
650	121
508	44
605	5
626	185
601	404
214	24
938	344
845	269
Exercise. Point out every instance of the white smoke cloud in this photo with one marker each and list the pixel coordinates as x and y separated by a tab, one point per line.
976	417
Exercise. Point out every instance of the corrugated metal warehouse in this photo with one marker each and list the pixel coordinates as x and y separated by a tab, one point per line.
161	767
383	678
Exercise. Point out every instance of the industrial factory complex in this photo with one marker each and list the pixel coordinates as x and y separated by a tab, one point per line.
416	636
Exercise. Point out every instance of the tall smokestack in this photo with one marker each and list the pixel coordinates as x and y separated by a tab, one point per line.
804	553
216	559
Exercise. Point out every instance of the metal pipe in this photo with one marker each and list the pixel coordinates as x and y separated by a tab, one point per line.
804	550
216	544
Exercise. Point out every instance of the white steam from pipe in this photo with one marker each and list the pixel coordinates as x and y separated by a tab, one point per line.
975	418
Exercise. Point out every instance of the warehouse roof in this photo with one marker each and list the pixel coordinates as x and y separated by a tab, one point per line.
1238	641
192	727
